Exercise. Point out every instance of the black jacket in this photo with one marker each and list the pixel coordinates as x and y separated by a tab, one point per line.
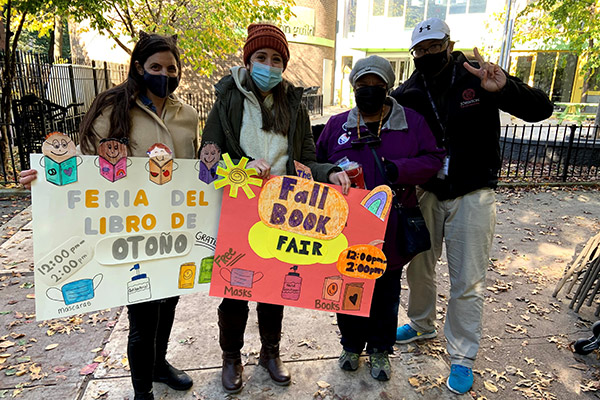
472	121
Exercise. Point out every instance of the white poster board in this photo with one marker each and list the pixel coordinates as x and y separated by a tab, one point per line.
100	244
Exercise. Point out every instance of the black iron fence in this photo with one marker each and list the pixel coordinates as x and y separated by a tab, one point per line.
49	95
550	153
202	102
313	103
530	153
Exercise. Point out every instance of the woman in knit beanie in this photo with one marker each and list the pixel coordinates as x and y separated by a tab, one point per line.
259	115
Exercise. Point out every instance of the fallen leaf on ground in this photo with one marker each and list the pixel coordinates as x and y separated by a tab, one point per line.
88	369
580	366
6	344
490	386
51	346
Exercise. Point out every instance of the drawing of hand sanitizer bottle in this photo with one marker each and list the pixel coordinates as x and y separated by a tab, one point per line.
139	287
291	285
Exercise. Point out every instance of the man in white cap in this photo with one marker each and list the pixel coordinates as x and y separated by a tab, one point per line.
460	101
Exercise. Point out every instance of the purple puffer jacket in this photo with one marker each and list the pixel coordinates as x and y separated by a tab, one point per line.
406	140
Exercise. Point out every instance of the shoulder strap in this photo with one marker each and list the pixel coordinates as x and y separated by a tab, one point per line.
396	189
380	167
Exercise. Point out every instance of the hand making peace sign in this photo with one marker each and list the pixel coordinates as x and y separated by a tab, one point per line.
492	77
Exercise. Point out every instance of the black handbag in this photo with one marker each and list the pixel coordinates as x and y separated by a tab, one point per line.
412	234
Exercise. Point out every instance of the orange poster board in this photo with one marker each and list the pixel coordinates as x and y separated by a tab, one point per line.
301	243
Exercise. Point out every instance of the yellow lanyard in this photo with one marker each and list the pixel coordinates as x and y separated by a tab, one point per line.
380	122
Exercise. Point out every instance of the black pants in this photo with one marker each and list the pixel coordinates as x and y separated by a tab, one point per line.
150	326
233	315
378	330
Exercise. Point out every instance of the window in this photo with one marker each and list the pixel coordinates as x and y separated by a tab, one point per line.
436	9
388	8
477	6
544	69
524	68
565	75
458	6
461	6
395	8
350	17
415	10
378	8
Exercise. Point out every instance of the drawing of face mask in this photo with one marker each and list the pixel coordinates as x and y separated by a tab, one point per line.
76	291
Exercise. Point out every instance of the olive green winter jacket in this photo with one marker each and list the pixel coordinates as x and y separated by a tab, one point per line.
224	122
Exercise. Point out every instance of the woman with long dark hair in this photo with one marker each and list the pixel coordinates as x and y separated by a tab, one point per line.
143	111
258	115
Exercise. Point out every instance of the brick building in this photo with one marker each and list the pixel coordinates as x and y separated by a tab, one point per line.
311	35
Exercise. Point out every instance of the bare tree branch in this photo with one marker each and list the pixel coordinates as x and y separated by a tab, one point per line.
118	41
123	20
130	21
154	18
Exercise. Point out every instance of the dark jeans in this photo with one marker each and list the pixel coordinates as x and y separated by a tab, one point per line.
150	326
378	330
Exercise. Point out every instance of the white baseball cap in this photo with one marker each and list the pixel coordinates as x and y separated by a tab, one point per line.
433	28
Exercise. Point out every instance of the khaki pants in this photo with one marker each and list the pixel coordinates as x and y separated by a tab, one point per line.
466	224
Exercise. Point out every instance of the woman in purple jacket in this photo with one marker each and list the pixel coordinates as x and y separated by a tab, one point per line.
409	156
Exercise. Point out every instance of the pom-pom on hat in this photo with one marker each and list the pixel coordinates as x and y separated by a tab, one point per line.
262	36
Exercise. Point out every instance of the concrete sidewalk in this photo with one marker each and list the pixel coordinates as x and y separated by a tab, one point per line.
524	349
310	347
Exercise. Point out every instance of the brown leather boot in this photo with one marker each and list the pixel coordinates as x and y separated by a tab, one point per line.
270	360
231	375
269	326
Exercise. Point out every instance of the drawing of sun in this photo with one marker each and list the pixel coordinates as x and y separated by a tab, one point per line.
237	176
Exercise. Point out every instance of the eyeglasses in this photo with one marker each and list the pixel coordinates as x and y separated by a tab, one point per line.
433	49
369	140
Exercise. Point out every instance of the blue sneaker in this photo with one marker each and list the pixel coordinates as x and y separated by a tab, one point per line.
460	379
406	334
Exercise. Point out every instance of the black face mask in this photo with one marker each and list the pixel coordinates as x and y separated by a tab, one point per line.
370	99
160	85
431	64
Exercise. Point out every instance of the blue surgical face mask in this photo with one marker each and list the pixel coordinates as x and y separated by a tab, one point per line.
265	77
160	85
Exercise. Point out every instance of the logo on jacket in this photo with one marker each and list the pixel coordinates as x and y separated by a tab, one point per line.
468	96
343	139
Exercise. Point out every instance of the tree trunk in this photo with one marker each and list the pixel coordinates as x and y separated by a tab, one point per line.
10	56
51	47
58	36
6	92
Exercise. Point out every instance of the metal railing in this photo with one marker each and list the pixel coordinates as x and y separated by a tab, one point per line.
530	153
550	153
313	103
202	102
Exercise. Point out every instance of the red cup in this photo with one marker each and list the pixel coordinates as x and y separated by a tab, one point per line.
356	176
